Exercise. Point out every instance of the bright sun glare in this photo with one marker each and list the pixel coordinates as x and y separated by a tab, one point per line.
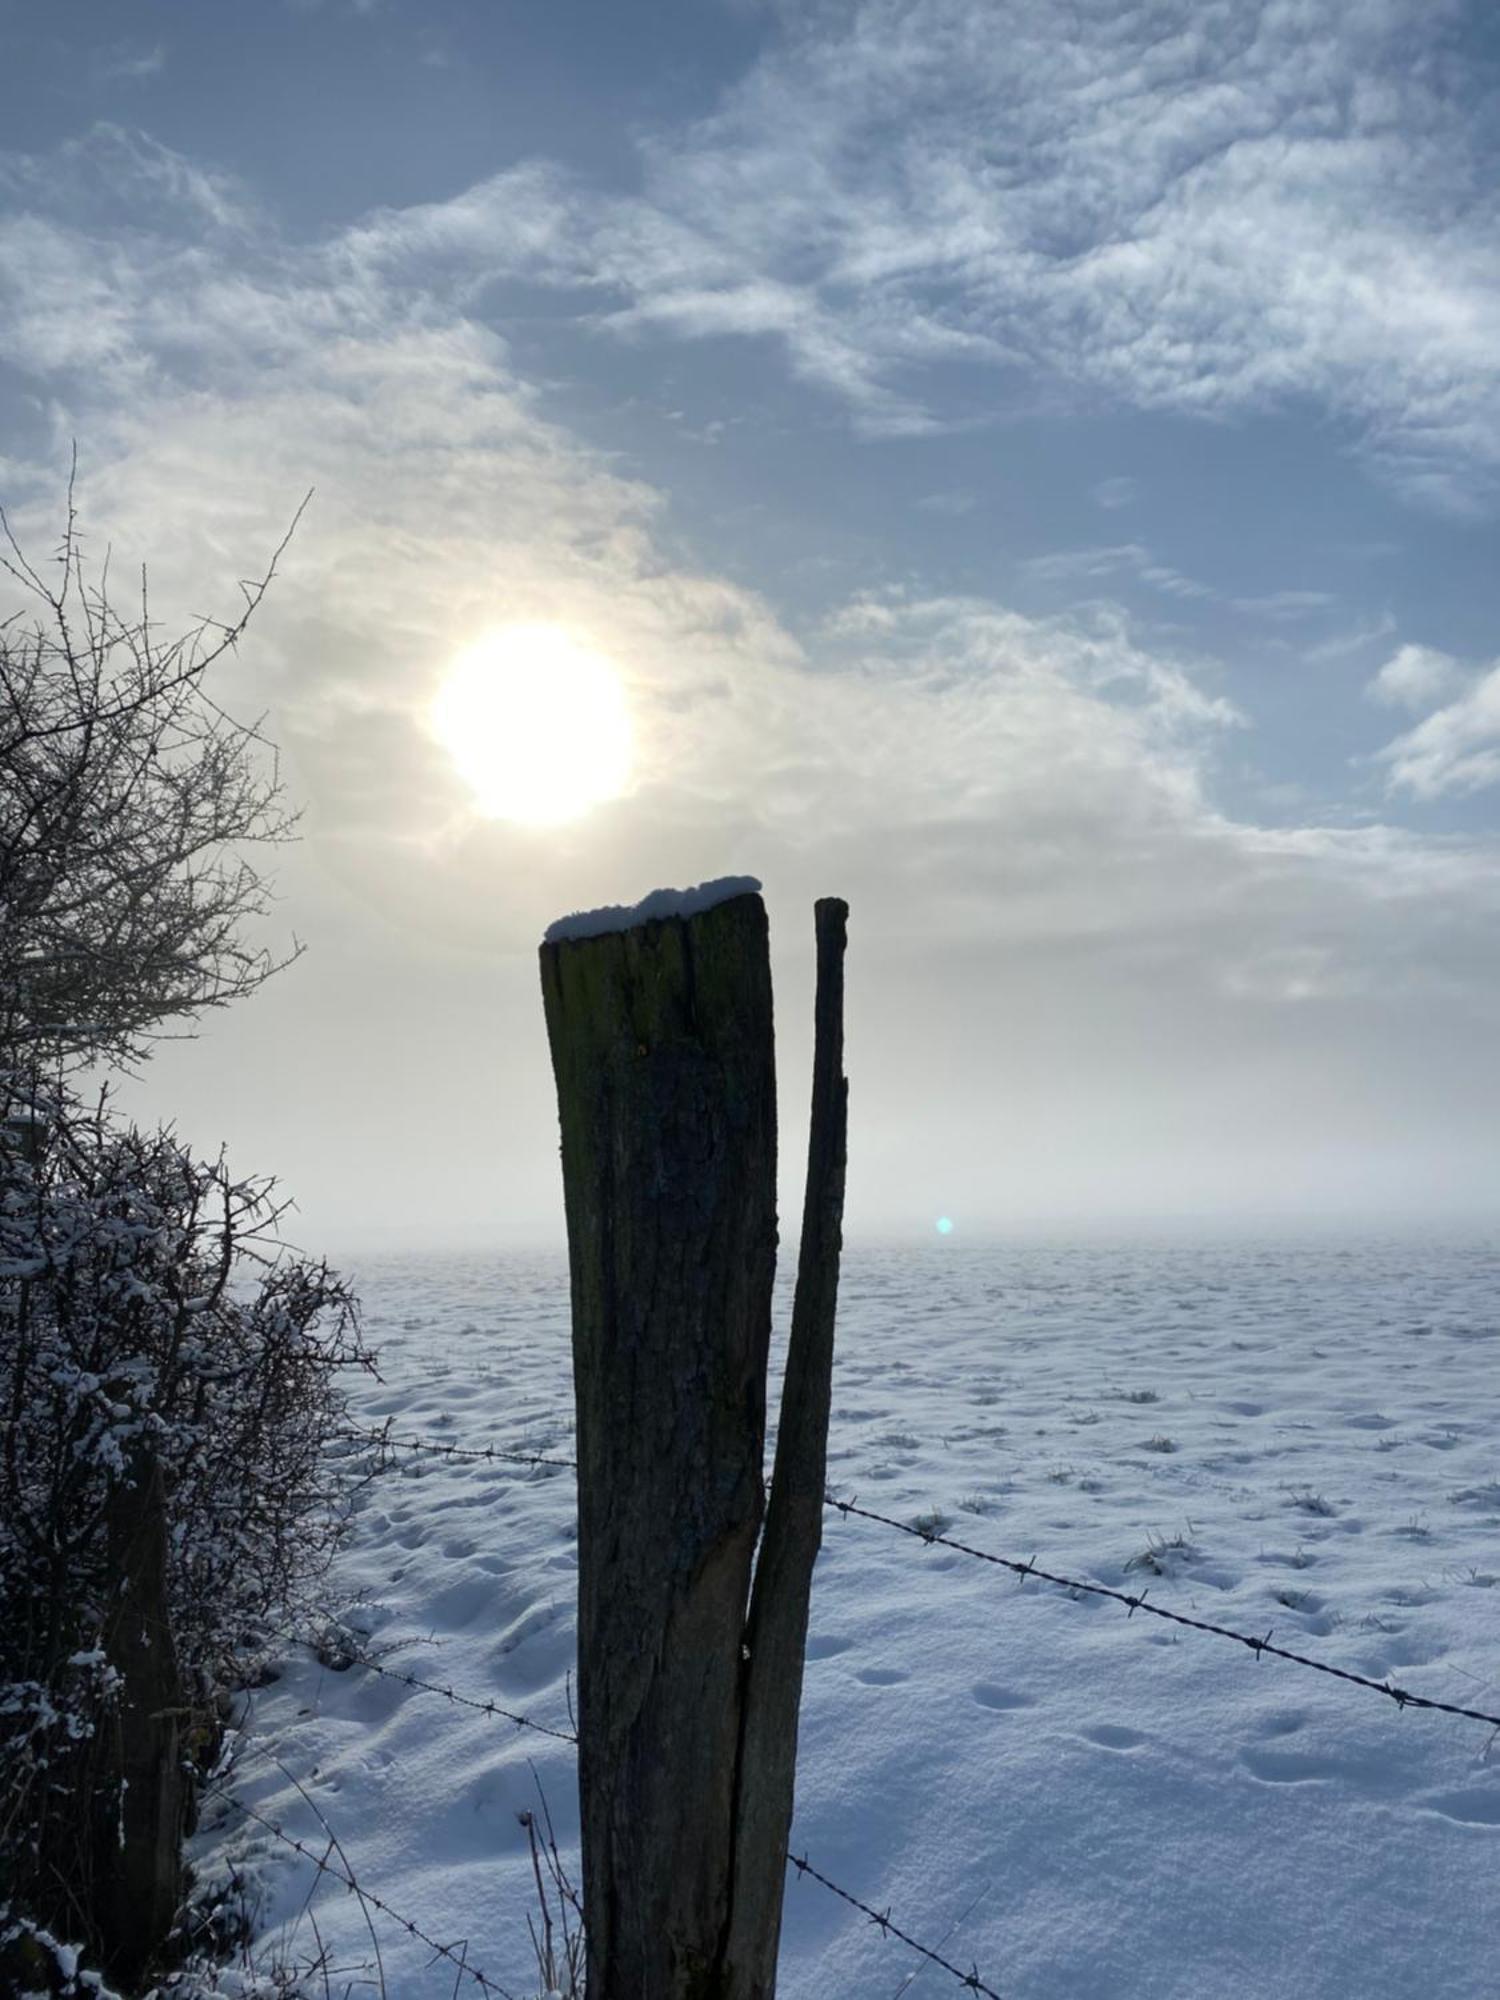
537	724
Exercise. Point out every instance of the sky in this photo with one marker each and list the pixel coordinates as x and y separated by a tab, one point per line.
1035	471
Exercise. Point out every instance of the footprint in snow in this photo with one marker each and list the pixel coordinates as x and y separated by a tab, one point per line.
824	1646
1311	1767
1113	1736
1285	1767
539	1619
989	1696
1285	1723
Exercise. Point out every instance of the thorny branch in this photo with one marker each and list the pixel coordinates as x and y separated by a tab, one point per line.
127	796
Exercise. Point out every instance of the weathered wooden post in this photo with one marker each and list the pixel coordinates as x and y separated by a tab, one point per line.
776	1633
142	1789
660	1027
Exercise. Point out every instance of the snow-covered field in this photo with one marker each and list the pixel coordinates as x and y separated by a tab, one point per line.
1086	1806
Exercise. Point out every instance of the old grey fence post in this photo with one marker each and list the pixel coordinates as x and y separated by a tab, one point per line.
142	1790
689	1681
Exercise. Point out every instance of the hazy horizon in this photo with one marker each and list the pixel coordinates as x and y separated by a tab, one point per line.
1142	1234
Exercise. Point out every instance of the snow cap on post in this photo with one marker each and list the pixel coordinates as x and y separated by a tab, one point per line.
660	904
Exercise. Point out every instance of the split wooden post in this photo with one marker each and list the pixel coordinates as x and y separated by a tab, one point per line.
776	1632
662	1048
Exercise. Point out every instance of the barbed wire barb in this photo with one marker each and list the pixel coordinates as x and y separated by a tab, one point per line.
383	1440
970	1980
357	1888
1133	1602
932	1537
485	1707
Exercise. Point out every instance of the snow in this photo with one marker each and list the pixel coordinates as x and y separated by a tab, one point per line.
1085	1805
652	909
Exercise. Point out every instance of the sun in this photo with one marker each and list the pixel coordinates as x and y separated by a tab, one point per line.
536	722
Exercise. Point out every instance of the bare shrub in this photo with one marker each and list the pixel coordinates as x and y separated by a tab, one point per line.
127	796
168	1380
143	1320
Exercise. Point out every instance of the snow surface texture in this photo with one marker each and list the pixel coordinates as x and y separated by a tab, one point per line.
652	909
1088	1807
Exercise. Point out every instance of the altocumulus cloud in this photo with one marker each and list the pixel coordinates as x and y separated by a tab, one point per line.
1416	677
1456	749
1024	809
1203	205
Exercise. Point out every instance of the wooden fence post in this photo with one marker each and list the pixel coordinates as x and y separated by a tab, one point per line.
776	1633
662	1048
141	1790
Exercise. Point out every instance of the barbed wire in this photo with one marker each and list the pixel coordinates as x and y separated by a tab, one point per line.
463	1700
1259	1645
882	1921
382	1440
350	1656
971	1979
1131	1601
325	1867
1403	1697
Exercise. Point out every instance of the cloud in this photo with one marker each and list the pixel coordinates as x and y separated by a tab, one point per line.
1455	750
126	64
1366	632
76	202
1285	607
952	504
215	371
1209	208
1120	558
1054	912
1416	677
